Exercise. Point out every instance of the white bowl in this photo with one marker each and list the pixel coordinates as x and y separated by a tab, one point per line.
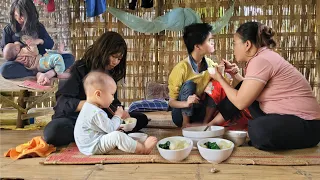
237	137
175	155
197	132
141	137
129	126
214	155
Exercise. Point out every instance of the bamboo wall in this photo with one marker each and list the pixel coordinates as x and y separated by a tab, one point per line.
4	11
152	56
317	86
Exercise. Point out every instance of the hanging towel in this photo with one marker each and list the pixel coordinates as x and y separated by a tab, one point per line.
95	7
175	20
34	148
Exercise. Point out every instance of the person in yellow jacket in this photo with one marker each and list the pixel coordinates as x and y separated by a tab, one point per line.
189	78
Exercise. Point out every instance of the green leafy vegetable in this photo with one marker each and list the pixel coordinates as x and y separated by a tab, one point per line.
212	145
165	145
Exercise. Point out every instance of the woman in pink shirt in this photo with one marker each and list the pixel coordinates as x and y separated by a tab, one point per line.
286	115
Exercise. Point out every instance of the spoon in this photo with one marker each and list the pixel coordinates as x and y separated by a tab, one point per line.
206	128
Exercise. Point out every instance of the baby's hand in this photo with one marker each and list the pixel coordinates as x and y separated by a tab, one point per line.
125	115
119	112
120	129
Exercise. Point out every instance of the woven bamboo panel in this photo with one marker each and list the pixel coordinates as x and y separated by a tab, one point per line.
294	23
141	47
152	57
4	11
57	22
317	88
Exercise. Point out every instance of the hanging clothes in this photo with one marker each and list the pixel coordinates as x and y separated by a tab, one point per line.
50	6
147	3
175	20
144	4
132	4
95	7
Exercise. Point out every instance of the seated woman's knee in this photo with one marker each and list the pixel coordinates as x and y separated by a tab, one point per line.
49	133
261	137
6	71
187	89
68	60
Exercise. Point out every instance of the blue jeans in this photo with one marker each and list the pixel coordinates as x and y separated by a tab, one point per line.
12	69
196	112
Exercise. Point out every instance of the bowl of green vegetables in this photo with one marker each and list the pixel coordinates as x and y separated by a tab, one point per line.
215	150
175	148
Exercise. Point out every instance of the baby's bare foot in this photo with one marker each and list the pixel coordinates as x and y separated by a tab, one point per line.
149	144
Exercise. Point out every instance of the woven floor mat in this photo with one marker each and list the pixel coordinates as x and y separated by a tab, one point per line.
240	155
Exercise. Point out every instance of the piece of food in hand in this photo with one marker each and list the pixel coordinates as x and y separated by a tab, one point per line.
221	69
211	70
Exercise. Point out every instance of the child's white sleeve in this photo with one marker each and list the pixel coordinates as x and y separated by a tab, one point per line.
106	124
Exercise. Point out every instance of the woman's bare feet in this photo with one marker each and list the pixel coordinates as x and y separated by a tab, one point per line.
42	79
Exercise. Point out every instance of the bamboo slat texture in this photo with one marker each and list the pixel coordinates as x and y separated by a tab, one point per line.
151	57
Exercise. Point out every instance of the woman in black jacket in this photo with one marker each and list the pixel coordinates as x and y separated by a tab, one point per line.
109	54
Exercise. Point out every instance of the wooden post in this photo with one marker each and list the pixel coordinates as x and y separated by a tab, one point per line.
318	49
21	102
159	12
